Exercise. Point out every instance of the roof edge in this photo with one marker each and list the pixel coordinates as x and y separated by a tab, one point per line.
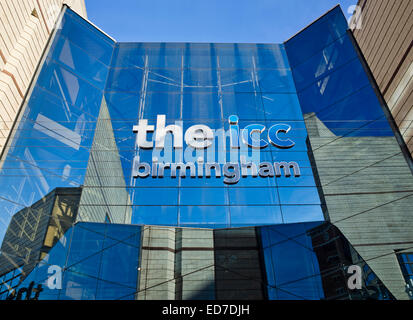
91	23
309	25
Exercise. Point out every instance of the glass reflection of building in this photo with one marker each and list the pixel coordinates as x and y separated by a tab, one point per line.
199	238
33	231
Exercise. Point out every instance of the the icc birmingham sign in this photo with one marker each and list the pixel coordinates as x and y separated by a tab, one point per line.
243	144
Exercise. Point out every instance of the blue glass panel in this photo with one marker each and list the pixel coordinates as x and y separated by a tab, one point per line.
333	88
49	143
125	270
78	287
113	291
202	216
271	56
360	114
324	62
291	265
127	234
128	54
302	213
91	40
60	125
296	232
279	107
70	87
247	106
315	37
157	103
338	23
238	80
87	266
204	183
199	55
150	196
164	55
203	196
125	80
298	195
276	81
253	196
78	61
199	106
164	80
155	215
306	179
200	80
86	244
123	109
239	56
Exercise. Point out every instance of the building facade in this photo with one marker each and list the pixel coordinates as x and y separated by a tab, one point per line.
33	231
25	27
208	171
384	31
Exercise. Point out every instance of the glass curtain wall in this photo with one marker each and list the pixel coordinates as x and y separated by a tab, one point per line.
76	131
364	174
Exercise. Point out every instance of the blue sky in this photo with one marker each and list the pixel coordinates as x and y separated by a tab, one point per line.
256	21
